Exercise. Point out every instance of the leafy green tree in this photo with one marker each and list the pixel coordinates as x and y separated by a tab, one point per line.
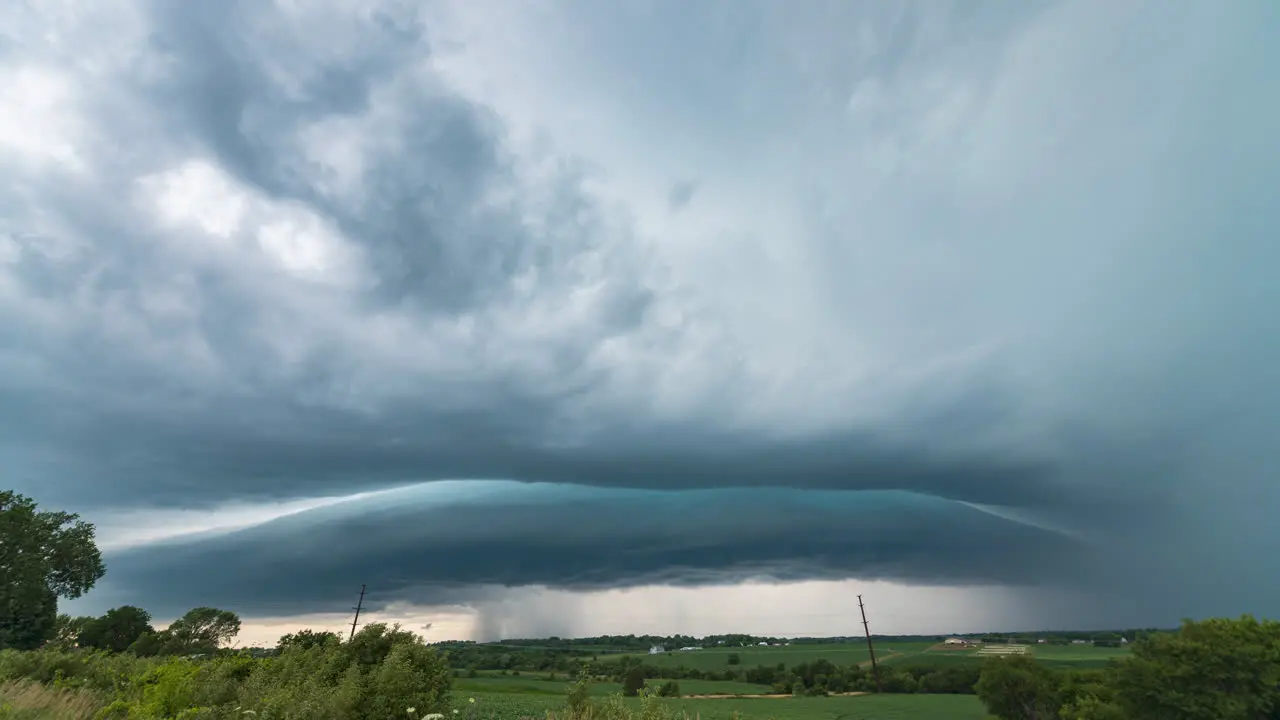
67	629
44	555
670	688
204	629
733	659
117	629
307	639
1089	695
1217	669
374	642
633	681
412	675
1018	688
161	642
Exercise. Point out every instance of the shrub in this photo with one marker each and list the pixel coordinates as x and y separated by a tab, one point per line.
633	682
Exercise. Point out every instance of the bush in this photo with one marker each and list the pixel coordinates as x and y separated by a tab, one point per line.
380	676
633	683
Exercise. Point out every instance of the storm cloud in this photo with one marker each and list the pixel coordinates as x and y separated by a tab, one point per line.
435	544
967	294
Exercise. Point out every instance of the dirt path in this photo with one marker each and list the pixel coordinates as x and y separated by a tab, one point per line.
867	663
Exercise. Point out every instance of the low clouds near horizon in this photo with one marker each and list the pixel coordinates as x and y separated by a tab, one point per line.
588	296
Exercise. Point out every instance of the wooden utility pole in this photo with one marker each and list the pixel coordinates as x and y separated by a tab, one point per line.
875	669
356	619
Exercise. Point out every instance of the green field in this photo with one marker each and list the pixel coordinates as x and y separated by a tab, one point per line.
511	706
1060	656
538	685
717	658
502	697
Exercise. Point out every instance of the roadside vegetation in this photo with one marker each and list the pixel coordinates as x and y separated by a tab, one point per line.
120	666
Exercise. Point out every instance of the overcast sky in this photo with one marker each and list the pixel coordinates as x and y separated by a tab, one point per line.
577	317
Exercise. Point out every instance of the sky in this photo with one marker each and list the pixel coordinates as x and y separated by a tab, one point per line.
567	317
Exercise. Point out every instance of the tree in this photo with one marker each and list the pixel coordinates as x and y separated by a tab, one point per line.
733	659
116	630
633	681
152	644
411	675
1217	669
44	555
204	628
1018	688
375	641
307	639
67	629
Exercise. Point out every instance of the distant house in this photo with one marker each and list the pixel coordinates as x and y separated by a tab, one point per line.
957	641
690	648
657	650
1042	641
1124	641
1079	642
764	644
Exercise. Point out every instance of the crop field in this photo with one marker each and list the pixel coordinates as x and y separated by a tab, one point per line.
1063	656
717	658
512	706
538	685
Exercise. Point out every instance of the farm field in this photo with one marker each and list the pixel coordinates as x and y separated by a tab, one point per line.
1060	656
717	658
538	685
512	706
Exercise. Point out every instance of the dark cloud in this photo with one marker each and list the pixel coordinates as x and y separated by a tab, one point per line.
433	545
253	253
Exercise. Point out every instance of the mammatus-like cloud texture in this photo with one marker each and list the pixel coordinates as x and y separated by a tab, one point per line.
599	294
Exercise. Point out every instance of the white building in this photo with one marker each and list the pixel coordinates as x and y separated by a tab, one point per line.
657	650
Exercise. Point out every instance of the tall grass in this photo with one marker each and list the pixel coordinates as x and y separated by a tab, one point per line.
27	700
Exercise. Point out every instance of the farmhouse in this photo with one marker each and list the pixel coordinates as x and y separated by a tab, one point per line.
657	650
958	641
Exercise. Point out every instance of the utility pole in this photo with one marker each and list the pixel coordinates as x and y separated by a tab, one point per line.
356	619
875	669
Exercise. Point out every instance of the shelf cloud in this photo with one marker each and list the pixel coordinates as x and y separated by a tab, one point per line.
592	295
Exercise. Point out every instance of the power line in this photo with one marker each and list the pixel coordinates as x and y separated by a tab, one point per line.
356	619
875	669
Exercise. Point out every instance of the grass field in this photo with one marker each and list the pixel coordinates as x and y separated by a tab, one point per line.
558	688
717	658
512	706
1061	656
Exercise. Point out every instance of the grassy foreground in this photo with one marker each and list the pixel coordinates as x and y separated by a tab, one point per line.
26	700
32	701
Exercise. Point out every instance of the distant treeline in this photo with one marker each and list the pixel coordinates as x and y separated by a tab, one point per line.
490	655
